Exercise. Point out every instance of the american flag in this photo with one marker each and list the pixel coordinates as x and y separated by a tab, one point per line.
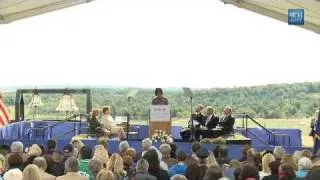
4	113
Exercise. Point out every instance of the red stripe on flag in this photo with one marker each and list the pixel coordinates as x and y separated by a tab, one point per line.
4	114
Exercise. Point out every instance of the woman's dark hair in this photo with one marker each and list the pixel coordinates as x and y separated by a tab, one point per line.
173	150
15	159
196	146
193	172
86	152
213	173
274	167
50	163
158	90
249	171
127	162
182	156
152	157
237	173
288	172
52	144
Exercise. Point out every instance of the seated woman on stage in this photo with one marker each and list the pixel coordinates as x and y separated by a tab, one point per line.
227	121
95	127
109	123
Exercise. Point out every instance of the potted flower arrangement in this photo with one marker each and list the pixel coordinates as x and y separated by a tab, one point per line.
161	136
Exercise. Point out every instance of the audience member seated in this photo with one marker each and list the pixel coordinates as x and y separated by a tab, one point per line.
101	154
33	152
132	153
146	144
286	172
49	162
228	171
193	172
181	167
95	127
142	171
193	159
51	147
127	166
95	167
266	160
41	163
16	148
274	168
58	166
178	177
105	174
31	172
115	164
173	152
154	165
213	173
67	152
123	147
249	171
13	174
304	166
15	161
165	150
279	152
202	154
77	145
85	156
72	168
221	154
211	160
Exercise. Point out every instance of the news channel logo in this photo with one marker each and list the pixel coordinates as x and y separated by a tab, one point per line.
296	17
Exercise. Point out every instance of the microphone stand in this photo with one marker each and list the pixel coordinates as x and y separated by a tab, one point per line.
128	117
192	125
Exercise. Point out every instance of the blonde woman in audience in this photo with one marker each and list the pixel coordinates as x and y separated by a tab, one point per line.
131	152
296	156
288	159
105	174
13	174
31	172
101	154
77	144
33	152
115	164
211	160
266	160
165	150
2	164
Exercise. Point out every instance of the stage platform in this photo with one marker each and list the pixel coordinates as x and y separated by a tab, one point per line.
31	132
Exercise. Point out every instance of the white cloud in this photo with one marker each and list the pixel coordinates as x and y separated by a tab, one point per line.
151	43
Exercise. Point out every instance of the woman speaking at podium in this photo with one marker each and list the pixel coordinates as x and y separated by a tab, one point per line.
159	99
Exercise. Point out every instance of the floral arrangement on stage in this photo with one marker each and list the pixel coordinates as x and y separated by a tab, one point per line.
218	140
161	136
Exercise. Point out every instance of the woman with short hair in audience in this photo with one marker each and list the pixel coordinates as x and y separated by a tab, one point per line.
228	171
131	152
213	173
154	165
127	166
15	161
115	164
58	166
72	170
31	172
178	177
288	159
165	150
101	154
33	152
287	172
279	152
105	174
304	166
266	160
77	145
50	162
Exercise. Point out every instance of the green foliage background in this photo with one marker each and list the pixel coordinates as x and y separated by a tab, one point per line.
298	100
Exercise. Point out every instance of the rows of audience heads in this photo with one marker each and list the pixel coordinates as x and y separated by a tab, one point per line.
81	162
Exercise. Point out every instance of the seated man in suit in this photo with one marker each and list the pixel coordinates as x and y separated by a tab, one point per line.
227	121
210	121
197	119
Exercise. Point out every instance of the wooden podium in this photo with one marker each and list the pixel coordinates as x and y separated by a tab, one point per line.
159	118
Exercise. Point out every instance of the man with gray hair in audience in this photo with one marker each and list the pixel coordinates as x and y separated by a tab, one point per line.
123	147
278	153
41	163
72	168
178	177
142	171
95	165
146	144
13	174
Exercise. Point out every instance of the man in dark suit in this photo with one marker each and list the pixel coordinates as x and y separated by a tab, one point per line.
227	121
210	120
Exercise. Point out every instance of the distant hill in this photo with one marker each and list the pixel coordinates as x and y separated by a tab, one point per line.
267	101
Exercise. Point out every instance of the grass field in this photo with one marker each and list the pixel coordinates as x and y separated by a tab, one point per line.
302	124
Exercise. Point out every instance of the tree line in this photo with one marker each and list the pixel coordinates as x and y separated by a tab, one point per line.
296	100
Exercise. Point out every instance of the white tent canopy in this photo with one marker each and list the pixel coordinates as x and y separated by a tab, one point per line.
11	10
278	9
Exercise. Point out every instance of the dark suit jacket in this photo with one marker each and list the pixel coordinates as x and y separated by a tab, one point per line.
227	123
214	120
199	118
